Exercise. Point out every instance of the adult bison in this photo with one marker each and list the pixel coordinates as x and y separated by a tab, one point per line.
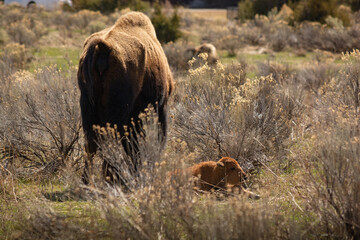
122	70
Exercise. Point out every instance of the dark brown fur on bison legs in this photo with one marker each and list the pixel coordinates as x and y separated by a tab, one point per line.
122	70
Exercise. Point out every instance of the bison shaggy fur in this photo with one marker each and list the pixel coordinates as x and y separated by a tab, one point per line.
122	70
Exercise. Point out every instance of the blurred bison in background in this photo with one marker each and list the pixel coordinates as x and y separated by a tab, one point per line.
207	48
122	70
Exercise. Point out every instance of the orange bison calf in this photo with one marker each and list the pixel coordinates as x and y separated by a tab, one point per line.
122	70
220	175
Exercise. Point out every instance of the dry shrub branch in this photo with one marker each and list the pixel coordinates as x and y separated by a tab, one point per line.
41	119
225	115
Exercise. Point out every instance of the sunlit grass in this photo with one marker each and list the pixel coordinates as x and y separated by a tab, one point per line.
62	57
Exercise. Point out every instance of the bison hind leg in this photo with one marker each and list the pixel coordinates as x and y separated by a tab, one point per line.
162	112
90	149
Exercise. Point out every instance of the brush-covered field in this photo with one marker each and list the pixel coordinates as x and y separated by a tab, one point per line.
283	101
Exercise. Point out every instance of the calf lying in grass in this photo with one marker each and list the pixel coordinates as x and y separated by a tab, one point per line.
221	175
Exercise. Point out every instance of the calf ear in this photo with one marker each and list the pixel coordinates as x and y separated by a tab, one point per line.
220	164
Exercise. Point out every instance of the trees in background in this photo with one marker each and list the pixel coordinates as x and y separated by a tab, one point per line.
304	10
107	6
96	5
167	28
354	4
315	10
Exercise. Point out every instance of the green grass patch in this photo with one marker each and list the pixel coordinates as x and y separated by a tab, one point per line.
285	57
282	57
29	194
62	57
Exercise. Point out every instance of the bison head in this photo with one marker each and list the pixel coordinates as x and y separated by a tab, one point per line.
231	171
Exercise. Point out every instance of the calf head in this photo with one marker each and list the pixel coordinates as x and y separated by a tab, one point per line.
231	171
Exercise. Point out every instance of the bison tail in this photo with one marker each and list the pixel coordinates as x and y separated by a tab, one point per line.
95	64
101	57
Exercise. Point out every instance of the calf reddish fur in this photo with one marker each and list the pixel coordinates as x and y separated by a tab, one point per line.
226	171
122	70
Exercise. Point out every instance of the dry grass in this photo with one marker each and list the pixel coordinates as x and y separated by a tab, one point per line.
213	14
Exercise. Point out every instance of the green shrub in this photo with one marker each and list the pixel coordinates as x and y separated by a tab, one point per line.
246	10
106	6
264	6
95	5
66	7
344	13
354	4
334	22
167	28
135	5
315	10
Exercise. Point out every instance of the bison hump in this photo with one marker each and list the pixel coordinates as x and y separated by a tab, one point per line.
136	20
